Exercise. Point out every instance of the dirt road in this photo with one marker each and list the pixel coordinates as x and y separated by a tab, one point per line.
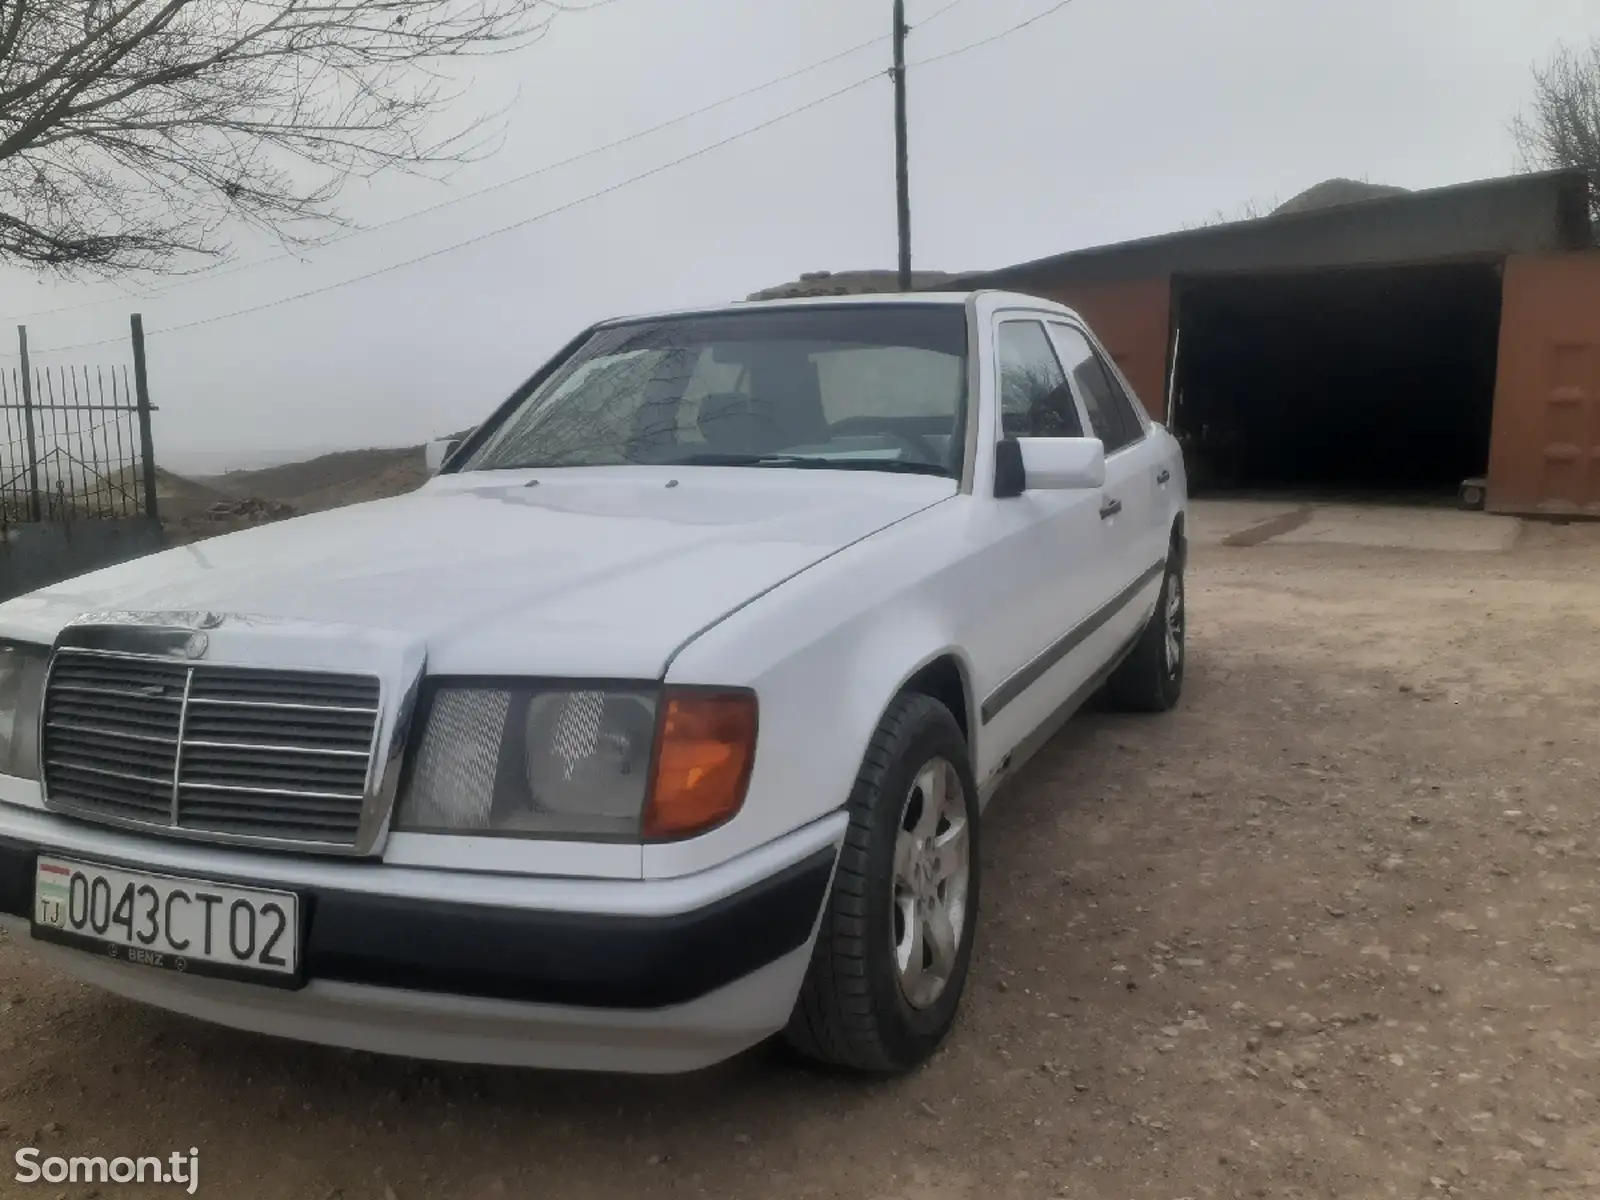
1330	930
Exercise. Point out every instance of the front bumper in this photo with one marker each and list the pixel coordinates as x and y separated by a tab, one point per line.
611	975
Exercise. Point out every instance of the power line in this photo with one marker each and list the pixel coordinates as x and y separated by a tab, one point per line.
935	15
223	272
901	157
995	37
539	216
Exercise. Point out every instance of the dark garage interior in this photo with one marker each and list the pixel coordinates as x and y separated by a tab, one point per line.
1338	382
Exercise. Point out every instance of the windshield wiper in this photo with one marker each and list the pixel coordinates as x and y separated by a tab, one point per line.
813	462
715	459
690	460
898	466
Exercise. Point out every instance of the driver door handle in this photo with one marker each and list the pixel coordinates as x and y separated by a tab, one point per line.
1109	508
1163	476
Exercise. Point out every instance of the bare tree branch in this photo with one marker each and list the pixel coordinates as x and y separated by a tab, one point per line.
1561	128
132	131
1250	210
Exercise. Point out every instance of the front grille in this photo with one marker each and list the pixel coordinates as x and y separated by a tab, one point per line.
214	749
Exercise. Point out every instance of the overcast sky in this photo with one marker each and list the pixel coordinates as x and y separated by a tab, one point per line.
1110	119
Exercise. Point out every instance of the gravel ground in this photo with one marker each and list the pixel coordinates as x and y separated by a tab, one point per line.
1332	929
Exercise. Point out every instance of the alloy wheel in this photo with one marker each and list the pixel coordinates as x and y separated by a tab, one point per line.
932	873
1173	649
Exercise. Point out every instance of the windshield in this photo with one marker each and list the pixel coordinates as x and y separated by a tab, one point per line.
850	387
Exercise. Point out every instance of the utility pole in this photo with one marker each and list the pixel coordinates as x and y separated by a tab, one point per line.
141	384
902	170
31	454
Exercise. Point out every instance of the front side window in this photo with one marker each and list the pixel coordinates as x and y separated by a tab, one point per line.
846	387
1034	398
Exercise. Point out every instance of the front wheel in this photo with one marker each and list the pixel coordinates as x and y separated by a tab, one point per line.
1150	679
895	943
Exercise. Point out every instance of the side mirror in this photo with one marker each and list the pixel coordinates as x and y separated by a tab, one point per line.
1063	464
437	452
1037	464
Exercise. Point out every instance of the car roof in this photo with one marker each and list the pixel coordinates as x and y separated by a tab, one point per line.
874	299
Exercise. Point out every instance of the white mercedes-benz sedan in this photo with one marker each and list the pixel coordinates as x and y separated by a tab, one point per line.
660	721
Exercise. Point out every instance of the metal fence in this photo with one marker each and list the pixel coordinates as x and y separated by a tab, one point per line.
75	441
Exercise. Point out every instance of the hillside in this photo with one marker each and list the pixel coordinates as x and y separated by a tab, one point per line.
1336	193
196	508
330	480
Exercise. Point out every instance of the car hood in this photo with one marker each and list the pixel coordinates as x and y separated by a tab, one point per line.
600	572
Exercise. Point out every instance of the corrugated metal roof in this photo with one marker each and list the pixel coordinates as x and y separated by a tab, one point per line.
1494	218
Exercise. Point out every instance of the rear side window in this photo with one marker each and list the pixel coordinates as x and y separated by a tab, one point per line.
1034	398
1111	416
1126	404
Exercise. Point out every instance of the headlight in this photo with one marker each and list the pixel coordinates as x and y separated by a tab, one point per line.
21	693
614	763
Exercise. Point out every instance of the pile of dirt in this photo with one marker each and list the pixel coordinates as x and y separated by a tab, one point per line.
185	525
851	283
252	510
179	495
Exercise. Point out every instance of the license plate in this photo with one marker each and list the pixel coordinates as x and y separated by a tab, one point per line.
169	923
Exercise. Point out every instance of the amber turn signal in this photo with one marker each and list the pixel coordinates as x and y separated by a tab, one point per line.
704	753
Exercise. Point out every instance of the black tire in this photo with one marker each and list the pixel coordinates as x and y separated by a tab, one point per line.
852	1011
1147	681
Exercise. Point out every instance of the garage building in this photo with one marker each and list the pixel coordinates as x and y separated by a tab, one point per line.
1394	346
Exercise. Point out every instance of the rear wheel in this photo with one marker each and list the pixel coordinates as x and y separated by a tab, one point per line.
895	943
1150	679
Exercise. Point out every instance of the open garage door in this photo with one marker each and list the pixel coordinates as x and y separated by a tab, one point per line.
1370	383
1547	405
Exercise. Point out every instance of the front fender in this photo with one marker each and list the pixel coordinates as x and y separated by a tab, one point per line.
892	652
825	653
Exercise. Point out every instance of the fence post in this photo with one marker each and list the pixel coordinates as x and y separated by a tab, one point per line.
34	512
142	392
